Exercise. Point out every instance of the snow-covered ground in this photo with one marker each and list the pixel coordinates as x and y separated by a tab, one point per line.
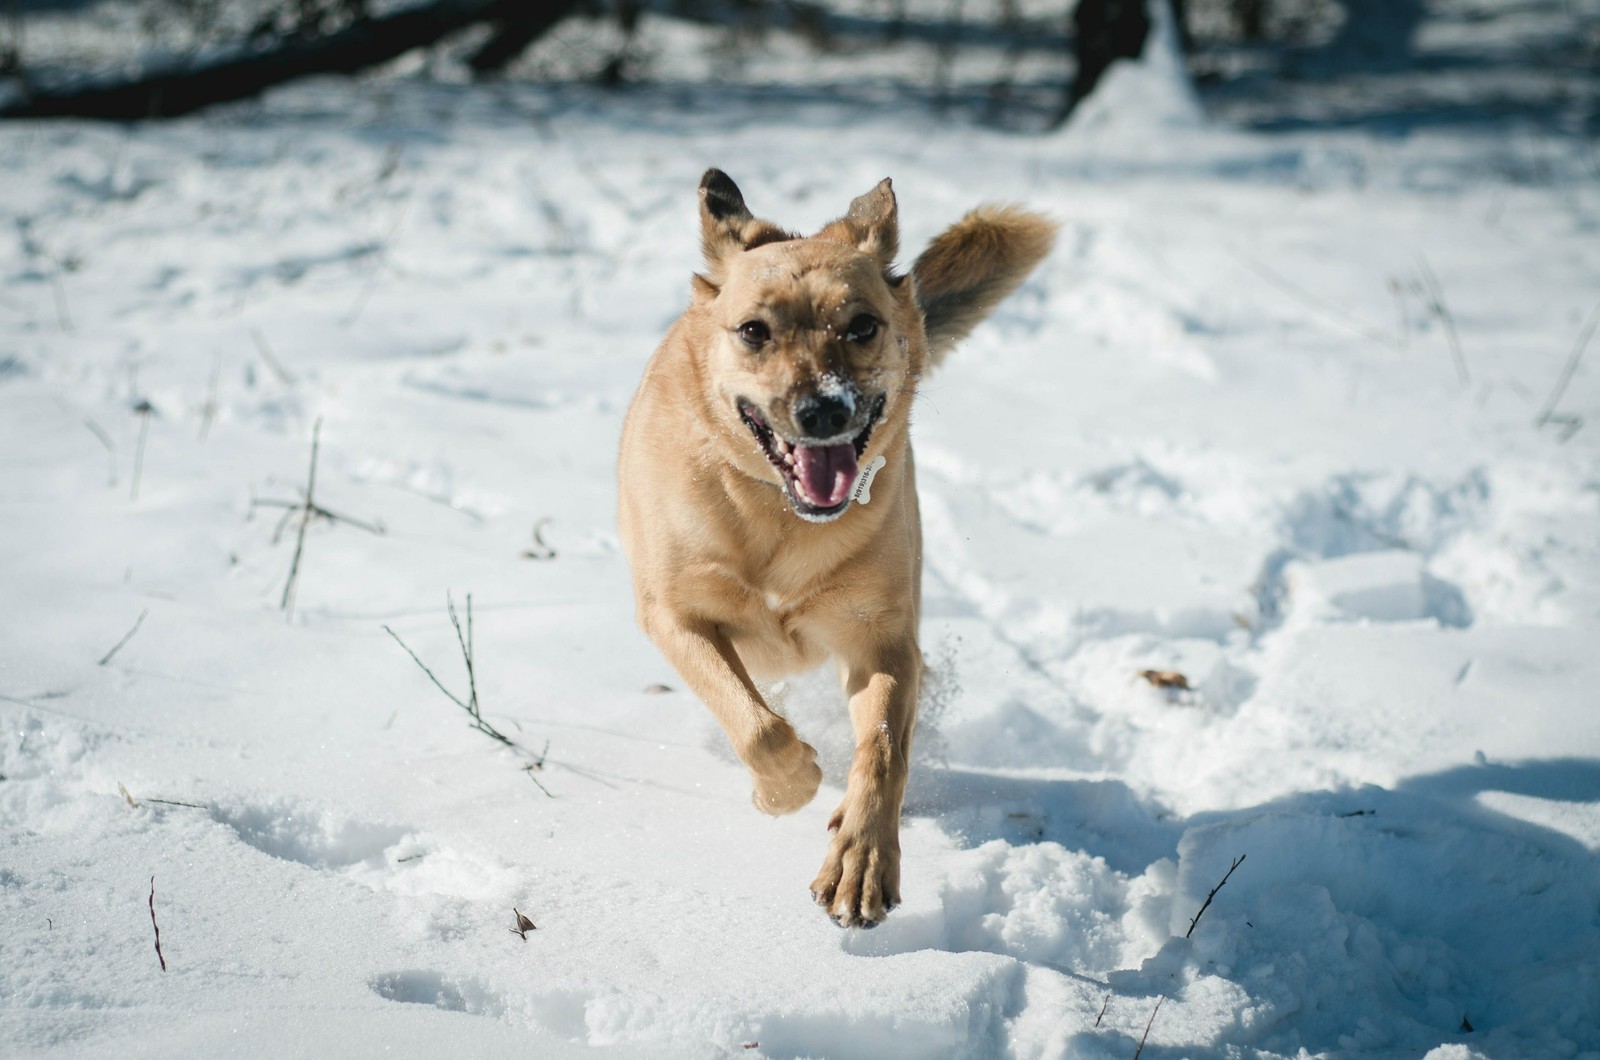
1268	418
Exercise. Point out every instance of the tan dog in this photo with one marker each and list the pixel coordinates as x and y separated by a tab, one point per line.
756	549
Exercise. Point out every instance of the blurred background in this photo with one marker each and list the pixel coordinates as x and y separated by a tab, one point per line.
1392	65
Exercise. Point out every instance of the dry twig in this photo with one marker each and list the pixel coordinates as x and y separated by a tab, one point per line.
470	704
125	638
1547	413
1203	907
1213	893
1436	305
537	766
524	925
272	361
111	450
153	924
143	409
122	789
1328	310
305	520
1398	290
208	410
540	549
58	265
1147	1025
308	510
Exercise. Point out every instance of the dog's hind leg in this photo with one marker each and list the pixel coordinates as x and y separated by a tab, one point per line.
782	767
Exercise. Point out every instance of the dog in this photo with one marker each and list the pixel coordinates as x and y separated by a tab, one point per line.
767	500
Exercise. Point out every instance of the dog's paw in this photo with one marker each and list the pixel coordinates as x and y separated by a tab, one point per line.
860	878
789	781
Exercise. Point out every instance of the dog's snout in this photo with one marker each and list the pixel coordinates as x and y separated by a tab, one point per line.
824	415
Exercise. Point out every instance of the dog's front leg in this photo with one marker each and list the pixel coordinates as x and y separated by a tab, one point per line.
782	766
860	879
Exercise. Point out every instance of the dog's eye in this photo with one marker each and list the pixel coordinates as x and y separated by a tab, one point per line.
754	334
862	328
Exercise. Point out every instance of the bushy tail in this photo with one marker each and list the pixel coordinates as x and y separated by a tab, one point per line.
970	268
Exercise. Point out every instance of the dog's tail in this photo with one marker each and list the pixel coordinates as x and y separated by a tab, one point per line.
971	268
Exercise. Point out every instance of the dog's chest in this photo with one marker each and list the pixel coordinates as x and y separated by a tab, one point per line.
775	636
779	614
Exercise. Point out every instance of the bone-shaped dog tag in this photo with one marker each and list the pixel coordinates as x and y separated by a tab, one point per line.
863	491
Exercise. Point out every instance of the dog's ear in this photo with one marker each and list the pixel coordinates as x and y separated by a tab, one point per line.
871	225
723	216
972	266
726	225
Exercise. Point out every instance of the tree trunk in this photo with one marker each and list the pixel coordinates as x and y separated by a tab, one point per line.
1105	31
358	46
514	33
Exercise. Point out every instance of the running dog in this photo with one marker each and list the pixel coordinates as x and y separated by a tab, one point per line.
767	499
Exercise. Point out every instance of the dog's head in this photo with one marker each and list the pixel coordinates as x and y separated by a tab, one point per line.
814	344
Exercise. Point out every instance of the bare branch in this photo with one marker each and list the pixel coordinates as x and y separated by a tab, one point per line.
1567	371
308	511
111	450
1147	1025
265	350
349	520
466	653
35	249
320	512
143	410
153	924
436	682
305	520
536	766
277	531
100	433
1207	903
1436	305
208	410
1330	312
125	638
471	705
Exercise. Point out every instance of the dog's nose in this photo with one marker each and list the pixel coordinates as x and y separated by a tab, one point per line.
823	415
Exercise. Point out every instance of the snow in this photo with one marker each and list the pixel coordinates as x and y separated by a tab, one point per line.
1220	433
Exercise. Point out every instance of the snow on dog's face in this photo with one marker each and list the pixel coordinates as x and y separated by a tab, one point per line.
814	345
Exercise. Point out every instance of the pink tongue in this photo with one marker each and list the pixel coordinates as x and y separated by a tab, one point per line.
825	473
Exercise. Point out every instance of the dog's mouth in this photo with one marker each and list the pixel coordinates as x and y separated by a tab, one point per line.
818	476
